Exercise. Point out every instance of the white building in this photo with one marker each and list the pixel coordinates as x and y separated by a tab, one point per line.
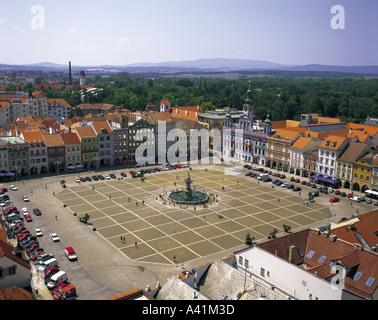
304	265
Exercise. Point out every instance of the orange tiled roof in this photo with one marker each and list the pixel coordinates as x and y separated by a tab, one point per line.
301	143
15	293
332	142
53	140
70	138
63	102
85	132
99	126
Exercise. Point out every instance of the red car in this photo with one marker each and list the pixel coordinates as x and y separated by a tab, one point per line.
337	192
32	247
49	272
350	195
28	218
83	179
178	166
334	199
157	169
131	172
3	190
297	180
304	182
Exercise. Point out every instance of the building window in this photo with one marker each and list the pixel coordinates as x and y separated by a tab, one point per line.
262	272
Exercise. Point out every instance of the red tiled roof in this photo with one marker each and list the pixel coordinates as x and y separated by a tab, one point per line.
15	293
7	250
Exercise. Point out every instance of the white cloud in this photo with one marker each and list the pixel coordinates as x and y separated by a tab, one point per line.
75	31
72	30
3	21
122	40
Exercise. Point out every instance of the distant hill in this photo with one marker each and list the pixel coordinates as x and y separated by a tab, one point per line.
200	65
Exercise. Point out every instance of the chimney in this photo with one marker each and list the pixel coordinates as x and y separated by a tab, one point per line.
333	237
326	233
357	247
352	226
316	231
291	254
69	74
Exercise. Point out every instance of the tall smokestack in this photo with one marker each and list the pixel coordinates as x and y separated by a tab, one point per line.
69	74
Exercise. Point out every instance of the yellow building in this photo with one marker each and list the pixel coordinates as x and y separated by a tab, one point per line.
362	170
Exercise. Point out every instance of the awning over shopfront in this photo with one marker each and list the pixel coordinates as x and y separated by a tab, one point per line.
325	179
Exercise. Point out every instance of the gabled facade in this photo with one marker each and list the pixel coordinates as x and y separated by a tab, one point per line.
105	138
89	146
14	271
247	141
362	172
72	147
330	149
37	151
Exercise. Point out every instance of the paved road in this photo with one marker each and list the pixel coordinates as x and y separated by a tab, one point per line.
101	271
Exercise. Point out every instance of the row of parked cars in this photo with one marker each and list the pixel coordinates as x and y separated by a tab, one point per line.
45	264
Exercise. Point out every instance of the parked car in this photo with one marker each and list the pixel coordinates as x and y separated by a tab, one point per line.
57	279
369	201
375	203
49	272
95	178
54	237
88	178
355	198
64	291
304	182
3	190
292	179
82	179
38	232
282	176
70	253
101	177
37	212
106	176
112	175
362	199
334	199
77	180
343	194
290	186
25	211
124	174
13	187
297	181
297	189
337	192
313	185
28	218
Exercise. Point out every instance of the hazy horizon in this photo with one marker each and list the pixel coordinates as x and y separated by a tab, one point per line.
122	32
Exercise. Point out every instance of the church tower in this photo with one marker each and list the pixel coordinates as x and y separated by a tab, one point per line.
165	105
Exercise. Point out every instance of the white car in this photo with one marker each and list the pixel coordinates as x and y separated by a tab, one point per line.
77	180
25	198
54	237
284	185
106	176
13	188
25	211
38	233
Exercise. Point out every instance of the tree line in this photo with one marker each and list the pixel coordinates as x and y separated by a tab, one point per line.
351	99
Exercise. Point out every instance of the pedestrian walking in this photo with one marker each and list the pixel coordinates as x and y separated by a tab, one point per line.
136	244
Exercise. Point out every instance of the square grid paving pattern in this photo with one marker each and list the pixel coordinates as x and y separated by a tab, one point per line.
156	233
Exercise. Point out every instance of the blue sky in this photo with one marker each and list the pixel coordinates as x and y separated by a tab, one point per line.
121	32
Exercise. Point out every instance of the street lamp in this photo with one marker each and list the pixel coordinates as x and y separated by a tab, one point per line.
58	163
